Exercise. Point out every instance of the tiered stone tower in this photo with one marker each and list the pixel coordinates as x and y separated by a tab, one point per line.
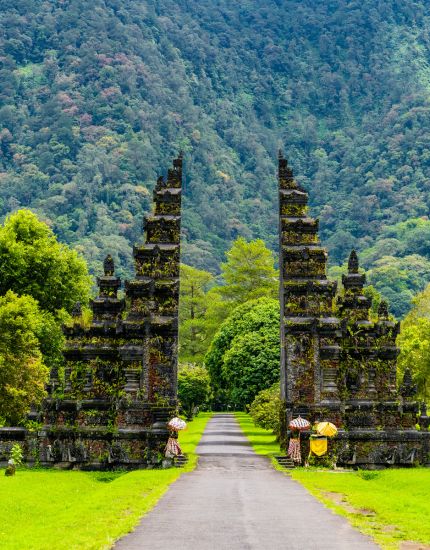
121	371
336	363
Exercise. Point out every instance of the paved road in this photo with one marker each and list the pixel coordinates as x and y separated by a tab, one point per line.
235	500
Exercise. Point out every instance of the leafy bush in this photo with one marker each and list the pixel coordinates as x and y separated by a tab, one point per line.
368	475
16	454
193	388
265	410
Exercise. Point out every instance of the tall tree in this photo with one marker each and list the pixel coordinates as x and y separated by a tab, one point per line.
244	354
193	305
249	272
34	263
23	373
414	343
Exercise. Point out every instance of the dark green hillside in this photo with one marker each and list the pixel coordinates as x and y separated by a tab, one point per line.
96	97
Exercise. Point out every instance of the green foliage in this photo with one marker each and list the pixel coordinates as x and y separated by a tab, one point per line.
244	355
193	387
372	294
247	274
265	410
16	454
33	262
193	305
23	373
46	279
399	279
414	343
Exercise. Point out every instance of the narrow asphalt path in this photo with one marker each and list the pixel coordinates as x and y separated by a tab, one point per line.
235	500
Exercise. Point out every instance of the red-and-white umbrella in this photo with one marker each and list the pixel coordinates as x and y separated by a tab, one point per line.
299	424
177	424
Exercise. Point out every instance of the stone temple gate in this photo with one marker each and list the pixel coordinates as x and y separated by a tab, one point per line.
336	364
120	382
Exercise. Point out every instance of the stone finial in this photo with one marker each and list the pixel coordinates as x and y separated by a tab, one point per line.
77	310
109	266
353	263
177	163
284	171
408	388
383	310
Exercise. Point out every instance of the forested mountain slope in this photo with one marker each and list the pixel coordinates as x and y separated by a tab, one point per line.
96	97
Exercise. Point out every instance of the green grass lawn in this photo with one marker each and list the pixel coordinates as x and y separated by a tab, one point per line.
50	509
390	505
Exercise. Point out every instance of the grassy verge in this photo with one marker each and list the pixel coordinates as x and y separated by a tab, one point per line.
263	441
392	506
68	510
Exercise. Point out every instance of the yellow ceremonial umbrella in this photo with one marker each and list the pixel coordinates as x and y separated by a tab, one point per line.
326	428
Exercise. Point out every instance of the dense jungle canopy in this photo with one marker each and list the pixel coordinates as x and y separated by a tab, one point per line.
96	97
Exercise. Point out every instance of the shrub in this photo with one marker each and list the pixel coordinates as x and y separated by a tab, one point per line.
16	454
193	388
265	410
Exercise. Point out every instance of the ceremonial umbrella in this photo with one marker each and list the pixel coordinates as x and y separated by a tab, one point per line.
299	424
177	424
326	428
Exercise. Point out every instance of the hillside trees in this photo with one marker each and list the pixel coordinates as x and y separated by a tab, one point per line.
95	98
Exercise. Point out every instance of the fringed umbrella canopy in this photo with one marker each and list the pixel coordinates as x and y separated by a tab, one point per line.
177	424
300	424
326	428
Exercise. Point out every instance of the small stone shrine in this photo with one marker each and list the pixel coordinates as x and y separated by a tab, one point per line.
337	365
120	382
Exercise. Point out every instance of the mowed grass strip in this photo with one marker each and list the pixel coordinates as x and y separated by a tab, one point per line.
391	505
50	509
263	441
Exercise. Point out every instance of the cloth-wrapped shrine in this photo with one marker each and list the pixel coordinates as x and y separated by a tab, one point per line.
111	405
